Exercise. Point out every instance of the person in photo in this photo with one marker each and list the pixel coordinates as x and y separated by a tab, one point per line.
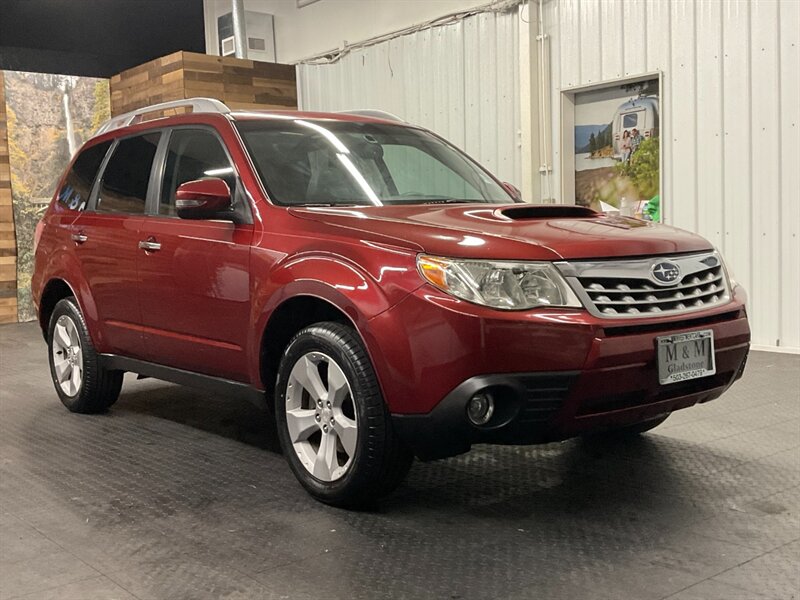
636	140
625	146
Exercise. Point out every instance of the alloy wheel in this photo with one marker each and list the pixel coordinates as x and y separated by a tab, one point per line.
321	417
67	356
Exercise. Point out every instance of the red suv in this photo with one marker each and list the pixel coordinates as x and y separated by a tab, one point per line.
380	290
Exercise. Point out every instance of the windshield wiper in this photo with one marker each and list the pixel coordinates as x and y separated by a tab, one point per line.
448	201
327	205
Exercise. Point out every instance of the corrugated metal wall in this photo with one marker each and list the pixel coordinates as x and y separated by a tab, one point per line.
731	125
461	81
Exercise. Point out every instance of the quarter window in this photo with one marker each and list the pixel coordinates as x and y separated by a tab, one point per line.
123	188
193	154
74	194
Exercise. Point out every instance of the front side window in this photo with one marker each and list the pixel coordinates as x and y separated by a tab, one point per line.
123	188
341	162
193	154
74	194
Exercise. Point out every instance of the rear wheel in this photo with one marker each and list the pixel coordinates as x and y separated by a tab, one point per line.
81	382
333	424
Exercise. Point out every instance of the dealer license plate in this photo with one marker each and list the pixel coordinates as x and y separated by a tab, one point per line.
685	356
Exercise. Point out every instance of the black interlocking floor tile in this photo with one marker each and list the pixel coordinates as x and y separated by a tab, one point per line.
178	493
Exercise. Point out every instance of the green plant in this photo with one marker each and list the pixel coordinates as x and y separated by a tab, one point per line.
643	168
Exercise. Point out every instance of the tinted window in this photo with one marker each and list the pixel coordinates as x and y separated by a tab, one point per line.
193	154
341	162
127	174
78	183
630	120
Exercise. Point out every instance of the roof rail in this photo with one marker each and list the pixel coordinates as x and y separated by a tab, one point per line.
204	105
373	113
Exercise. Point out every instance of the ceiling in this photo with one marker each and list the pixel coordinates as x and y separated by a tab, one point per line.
95	37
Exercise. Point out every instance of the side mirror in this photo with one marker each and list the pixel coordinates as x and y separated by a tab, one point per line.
204	199
513	190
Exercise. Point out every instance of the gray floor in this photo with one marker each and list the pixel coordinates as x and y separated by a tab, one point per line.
180	494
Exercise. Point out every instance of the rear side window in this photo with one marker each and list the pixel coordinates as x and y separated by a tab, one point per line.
123	188
74	194
193	154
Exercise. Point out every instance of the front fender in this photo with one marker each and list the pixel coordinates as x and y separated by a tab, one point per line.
332	278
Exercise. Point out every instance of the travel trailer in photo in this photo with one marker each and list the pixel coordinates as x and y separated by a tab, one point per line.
639	113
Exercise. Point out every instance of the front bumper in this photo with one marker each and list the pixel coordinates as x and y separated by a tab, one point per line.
608	378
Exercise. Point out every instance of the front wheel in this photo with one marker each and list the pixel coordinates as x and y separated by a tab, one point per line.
333	425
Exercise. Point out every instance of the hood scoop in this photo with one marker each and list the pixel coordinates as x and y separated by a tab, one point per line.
547	211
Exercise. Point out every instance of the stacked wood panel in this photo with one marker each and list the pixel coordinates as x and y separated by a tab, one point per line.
242	84
8	249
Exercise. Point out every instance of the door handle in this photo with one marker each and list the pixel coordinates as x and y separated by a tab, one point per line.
150	245
79	237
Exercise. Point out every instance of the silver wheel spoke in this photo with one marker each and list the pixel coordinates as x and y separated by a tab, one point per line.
301	424
347	431
307	374
62	336
338	388
61	367
325	462
75	379
72	331
67	376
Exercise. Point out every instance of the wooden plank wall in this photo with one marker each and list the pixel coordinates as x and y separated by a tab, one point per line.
242	84
8	246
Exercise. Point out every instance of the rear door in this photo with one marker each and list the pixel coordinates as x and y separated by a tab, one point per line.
106	237
195	283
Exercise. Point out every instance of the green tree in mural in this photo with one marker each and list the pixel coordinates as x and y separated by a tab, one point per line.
102	104
643	168
47	116
592	144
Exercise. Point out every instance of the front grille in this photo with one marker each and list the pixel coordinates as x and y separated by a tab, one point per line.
631	288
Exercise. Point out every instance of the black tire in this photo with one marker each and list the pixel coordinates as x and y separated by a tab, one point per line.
380	461
99	388
630	431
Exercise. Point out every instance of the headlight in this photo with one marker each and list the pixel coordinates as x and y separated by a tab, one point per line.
499	284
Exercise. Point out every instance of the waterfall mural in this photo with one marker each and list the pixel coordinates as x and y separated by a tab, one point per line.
49	117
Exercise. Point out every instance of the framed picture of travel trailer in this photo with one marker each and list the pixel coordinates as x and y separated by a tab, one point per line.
611	146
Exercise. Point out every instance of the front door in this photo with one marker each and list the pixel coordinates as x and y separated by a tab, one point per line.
106	237
195	278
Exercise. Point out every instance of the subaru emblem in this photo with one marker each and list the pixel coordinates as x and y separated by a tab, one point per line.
665	272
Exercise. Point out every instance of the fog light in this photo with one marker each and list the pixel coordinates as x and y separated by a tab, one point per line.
480	408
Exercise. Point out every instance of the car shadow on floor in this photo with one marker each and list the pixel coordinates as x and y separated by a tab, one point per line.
231	416
575	476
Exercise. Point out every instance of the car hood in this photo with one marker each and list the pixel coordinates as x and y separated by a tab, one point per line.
514	231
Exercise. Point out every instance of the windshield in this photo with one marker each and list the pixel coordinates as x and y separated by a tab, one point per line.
317	162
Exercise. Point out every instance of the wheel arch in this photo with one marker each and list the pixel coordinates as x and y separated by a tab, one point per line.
55	290
290	316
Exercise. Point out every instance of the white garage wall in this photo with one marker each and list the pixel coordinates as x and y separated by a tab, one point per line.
326	25
731	125
461	81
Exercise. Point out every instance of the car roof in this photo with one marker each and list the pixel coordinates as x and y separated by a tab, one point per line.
210	111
